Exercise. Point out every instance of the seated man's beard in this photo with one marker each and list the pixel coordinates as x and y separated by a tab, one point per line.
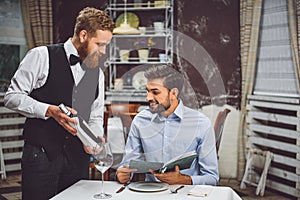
159	109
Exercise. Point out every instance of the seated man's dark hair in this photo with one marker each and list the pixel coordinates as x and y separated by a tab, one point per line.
171	77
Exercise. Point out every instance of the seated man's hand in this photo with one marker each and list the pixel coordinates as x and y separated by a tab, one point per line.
124	173
173	177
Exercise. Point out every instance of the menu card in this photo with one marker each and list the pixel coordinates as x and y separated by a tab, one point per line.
184	161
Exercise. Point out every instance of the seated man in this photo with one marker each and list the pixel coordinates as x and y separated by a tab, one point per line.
168	129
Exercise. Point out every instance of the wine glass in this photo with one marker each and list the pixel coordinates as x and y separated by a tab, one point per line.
103	160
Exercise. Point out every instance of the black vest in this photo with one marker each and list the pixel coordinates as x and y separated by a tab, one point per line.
60	88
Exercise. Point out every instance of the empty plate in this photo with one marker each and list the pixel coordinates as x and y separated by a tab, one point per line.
148	186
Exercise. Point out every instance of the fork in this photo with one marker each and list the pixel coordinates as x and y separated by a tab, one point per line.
174	190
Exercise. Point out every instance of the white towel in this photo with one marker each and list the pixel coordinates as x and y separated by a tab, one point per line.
115	134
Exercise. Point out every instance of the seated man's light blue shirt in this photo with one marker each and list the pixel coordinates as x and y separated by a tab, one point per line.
158	139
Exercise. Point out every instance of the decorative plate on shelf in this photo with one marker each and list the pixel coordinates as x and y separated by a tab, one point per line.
139	81
132	19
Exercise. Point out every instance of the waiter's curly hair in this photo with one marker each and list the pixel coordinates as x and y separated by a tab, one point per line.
91	20
171	77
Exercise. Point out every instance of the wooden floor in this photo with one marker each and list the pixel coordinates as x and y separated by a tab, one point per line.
10	189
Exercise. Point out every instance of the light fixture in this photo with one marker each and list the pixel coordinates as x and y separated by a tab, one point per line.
124	27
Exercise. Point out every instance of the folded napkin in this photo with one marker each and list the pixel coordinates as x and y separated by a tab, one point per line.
201	190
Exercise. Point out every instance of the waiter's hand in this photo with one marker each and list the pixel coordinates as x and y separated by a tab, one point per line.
91	150
54	112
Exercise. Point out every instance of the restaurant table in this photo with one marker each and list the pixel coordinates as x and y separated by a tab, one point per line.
85	189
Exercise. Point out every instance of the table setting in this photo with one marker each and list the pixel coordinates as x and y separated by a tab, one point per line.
142	190
86	189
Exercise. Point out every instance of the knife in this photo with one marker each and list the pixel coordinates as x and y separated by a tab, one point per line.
123	187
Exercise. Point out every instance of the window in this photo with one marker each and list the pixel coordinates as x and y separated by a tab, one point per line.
12	40
275	72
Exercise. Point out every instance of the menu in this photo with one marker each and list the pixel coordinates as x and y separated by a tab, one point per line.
184	161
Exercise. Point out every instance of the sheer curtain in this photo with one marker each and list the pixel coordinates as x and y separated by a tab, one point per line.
38	23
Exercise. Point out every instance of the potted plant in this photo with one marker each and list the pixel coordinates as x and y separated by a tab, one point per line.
143	46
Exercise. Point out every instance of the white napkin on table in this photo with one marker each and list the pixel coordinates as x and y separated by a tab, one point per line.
201	190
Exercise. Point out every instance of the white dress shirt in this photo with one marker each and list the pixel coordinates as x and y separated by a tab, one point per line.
33	73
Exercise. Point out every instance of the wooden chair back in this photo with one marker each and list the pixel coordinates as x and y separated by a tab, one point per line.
126	112
122	108
219	126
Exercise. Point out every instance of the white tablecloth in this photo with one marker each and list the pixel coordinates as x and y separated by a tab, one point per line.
85	189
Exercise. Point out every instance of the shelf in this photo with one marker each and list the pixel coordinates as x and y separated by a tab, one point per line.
127	91
142	6
162	38
151	34
137	63
133	60
126	95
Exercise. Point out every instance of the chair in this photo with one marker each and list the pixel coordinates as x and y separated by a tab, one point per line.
2	165
258	161
219	126
126	112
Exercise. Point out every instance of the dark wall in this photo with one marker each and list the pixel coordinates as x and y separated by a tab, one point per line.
212	27
64	16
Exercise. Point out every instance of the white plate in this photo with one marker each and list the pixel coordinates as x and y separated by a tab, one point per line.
148	186
139	81
132	19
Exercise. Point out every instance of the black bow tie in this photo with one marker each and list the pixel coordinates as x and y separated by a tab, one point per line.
74	60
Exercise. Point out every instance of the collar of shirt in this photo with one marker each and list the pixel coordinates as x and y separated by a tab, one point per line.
69	48
77	70
177	114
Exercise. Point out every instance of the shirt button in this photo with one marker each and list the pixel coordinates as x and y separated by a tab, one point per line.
67	137
64	146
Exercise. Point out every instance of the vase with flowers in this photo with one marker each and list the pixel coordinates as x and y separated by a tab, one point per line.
143	46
